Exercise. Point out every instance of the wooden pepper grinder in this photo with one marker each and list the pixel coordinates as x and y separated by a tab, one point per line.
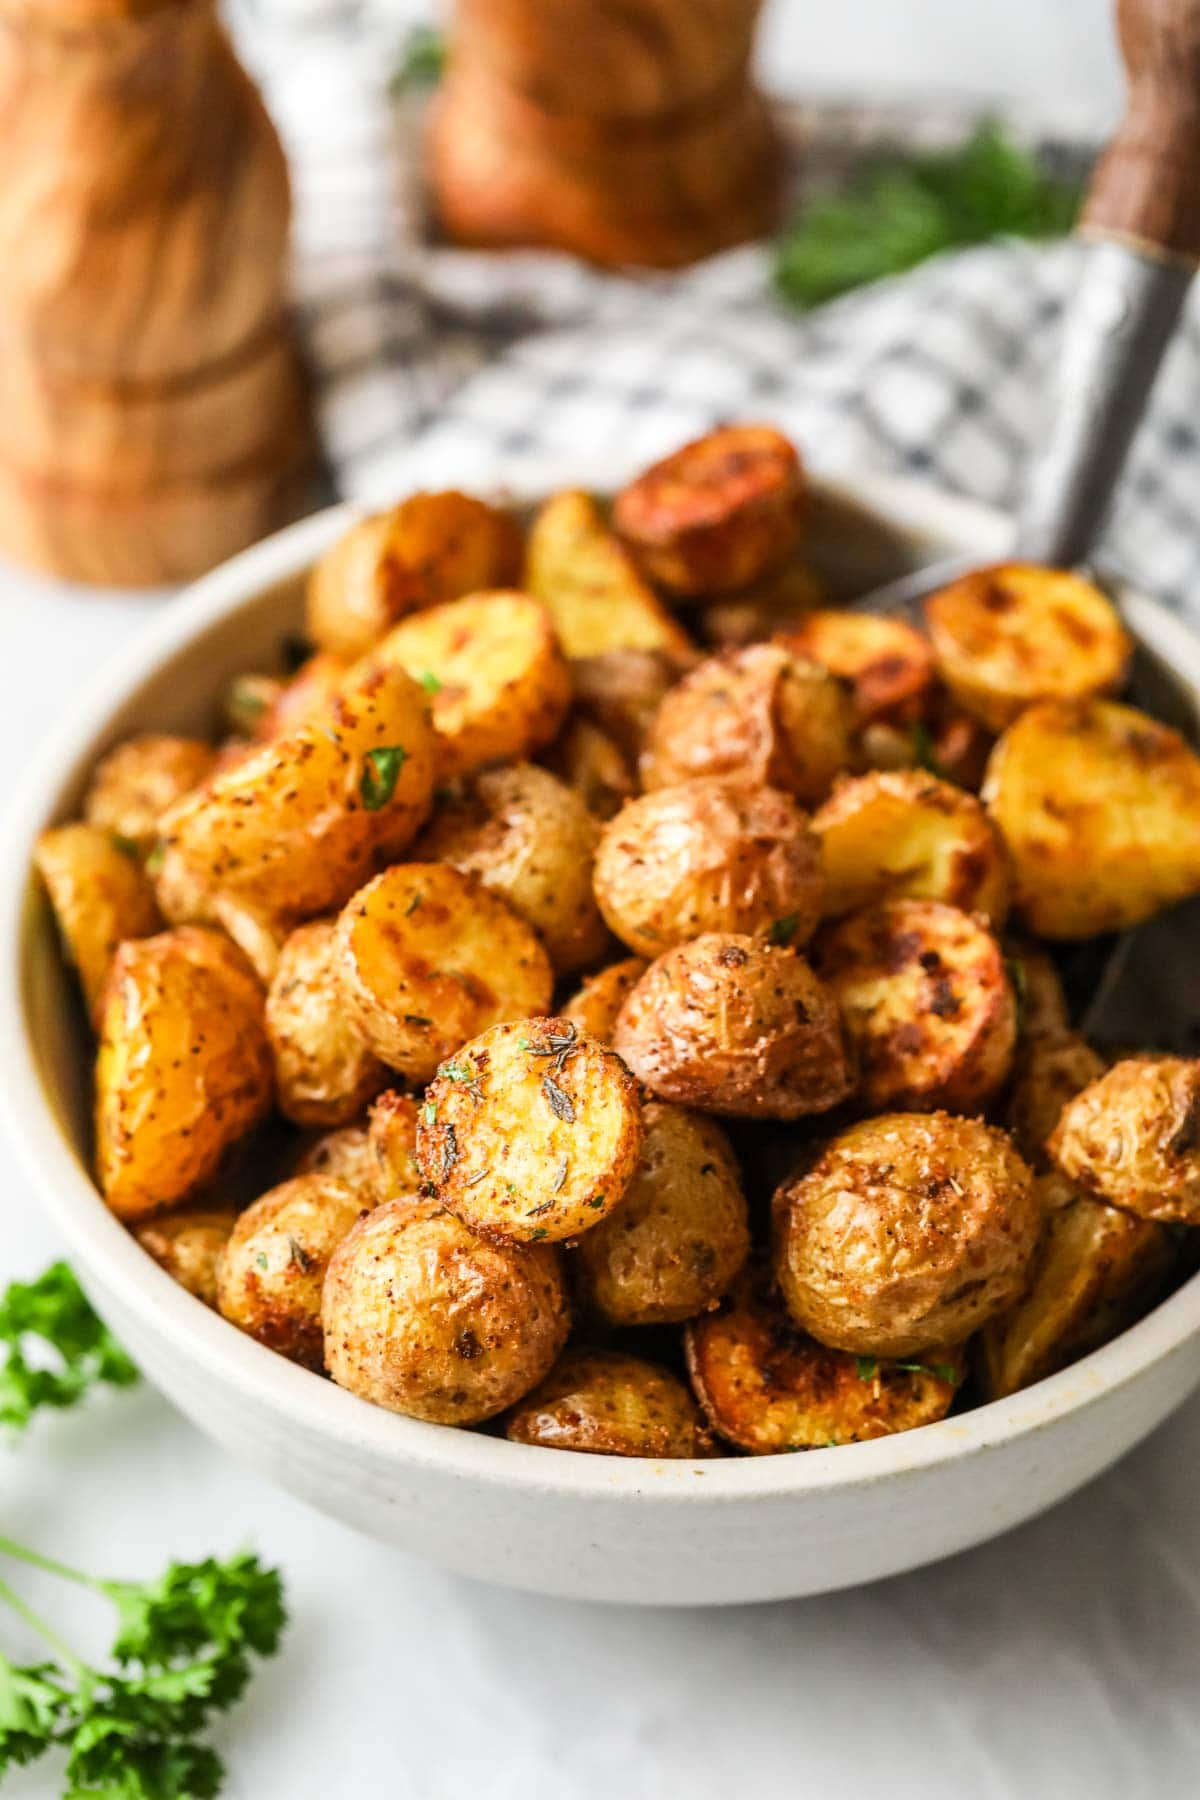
625	134
153	413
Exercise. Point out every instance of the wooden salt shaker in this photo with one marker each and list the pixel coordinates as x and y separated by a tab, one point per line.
153	413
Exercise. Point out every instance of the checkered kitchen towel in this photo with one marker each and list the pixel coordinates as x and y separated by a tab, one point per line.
438	366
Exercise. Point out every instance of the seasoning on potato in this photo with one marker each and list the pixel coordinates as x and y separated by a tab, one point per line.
133	785
888	664
187	1245
392	1137
325	1073
608	1404
100	896
1052	1068
1132	1137
345	1155
586	580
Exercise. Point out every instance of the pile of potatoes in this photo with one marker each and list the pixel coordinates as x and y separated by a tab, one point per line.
579	996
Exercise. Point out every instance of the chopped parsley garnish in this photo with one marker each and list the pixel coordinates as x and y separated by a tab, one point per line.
784	930
381	770
866	1367
430	682
125	845
924	750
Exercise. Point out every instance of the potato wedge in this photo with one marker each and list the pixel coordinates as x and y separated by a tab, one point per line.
100	896
531	1133
392	1137
183	1071
324	1072
272	1269
622	690
717	513
593	765
1132	1137
595	1007
735	1025
926	1002
1006	636
589	585
608	1404
1051	1069
906	835
187	1244
886	662
133	785
1100	808
427	957
344	1155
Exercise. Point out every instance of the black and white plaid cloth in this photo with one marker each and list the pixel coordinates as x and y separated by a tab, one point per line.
440	366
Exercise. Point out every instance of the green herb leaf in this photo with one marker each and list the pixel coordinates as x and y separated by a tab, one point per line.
422	60
866	1367
430	682
125	845
52	1315
924	750
941	1371
784	930
1019	983
156	858
381	770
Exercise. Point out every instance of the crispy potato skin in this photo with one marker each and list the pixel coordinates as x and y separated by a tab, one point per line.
887	663
424	1319
183	1071
716	514
903	834
608	1404
589	585
324	1072
758	714
100	896
187	1245
1006	636
532	841
1100	807
926	1002
1132	1137
595	1007
734	1025
1097	1269
344	1155
532	1132
428	957
392	1136
768	1387
910	1230
271	1270
709	855
678	1239
135	784
1052	1068
592	764
622	690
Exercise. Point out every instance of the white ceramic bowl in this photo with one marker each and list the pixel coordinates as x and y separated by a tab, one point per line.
585	1526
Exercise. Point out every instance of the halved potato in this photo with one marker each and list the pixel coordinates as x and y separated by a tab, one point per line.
593	765
187	1244
622	690
392	1137
1100	807
1007	636
927	1005
427	957
607	1404
887	663
134	784
532	1132
324	1071
1052	1068
595	1007
589	585
1132	1137
100	896
906	835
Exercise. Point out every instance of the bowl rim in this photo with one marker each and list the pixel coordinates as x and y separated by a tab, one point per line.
160	1307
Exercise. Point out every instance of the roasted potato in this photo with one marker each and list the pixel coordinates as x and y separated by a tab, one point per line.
392	1136
589	585
1100	808
886	662
428	549
532	841
595	1007
716	514
344	1155
1095	1272
607	1404
1007	636
926	1002
910	1230
494	672
533	1132
135	784
906	835
735	1025
309	692
427	957
1052	1068
759	714
709	855
593	765
184	1067
423	1318
1042	1002
324	1072
778	602
187	1245
100	896
271	1270
1132	1137
622	690
678	1239
768	1387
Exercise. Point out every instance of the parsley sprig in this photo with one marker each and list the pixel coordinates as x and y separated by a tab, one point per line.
54	1347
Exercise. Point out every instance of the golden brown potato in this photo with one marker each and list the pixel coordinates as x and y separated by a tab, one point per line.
1051	1069
133	785
906	835
678	1239
909	1230
427	957
768	1387
778	602
344	1155
735	1025
622	690
592	765
428	549
425	1319
1042	1004
310	691
324	1071
1100	808
187	1245
587	582
760	714
532	841
595	1007
184	1067
888	664
494	672
1096	1270
716	514
709	855
532	1132
607	1404
1007	636
392	1136
272	1269
926	1002
100	896
1132	1137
